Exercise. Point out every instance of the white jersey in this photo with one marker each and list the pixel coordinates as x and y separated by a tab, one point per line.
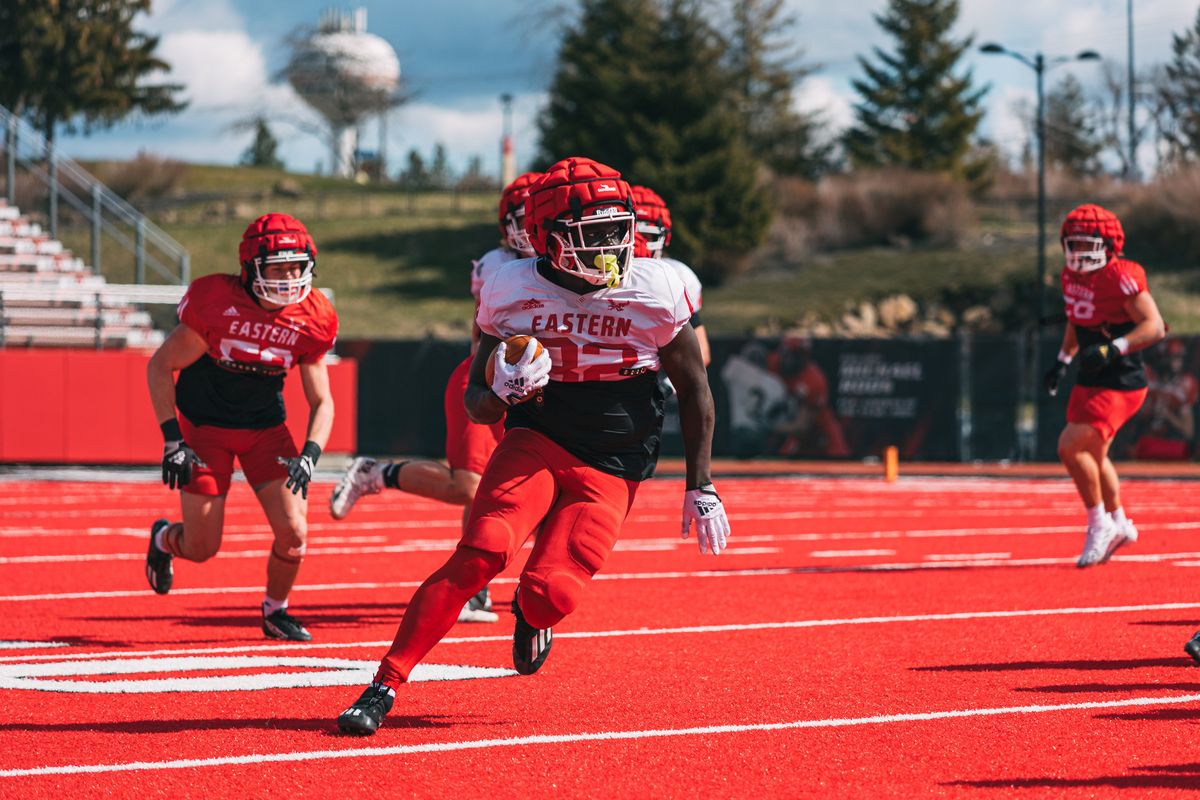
488	263
604	335
691	283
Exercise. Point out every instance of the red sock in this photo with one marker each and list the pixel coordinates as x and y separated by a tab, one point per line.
434	609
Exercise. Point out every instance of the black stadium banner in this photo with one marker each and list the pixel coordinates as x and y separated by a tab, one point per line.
800	398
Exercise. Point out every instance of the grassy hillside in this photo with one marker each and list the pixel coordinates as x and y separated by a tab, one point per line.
399	263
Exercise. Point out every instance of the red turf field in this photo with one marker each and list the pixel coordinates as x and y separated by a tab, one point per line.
927	638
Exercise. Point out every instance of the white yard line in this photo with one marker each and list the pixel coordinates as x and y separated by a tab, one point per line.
598	736
958	616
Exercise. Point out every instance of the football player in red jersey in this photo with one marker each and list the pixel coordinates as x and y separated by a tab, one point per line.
583	421
468	445
1111	318
238	336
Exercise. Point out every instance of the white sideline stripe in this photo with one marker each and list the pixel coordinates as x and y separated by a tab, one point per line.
850	553
626	576
601	736
965	556
19	645
956	616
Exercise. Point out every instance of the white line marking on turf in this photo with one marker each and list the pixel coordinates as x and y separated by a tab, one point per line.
957	616
18	645
965	556
600	736
850	553
675	575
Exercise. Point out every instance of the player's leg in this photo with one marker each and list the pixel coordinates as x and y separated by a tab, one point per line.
1124	406
202	506
287	514
515	493
574	542
1081	448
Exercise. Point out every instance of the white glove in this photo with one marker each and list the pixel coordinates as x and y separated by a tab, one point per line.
514	383
704	507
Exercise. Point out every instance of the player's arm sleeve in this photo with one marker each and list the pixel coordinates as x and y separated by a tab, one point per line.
191	309
677	311
1133	280
487	317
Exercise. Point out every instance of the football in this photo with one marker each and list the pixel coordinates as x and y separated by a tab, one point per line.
515	349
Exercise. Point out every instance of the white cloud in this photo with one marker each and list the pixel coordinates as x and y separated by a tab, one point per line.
819	94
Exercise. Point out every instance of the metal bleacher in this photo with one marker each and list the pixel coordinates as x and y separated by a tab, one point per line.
50	298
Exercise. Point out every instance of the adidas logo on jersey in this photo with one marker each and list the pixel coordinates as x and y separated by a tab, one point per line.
231	312
531	304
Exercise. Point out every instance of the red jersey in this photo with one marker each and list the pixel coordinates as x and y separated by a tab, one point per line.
238	383
1095	304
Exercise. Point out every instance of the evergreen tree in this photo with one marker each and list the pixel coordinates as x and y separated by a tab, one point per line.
915	111
600	91
1179	94
439	168
415	175
66	59
766	70
1073	142
645	87
262	151
696	155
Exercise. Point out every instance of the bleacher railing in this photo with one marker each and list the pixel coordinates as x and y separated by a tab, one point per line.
67	182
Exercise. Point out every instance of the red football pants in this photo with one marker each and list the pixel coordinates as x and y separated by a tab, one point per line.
530	481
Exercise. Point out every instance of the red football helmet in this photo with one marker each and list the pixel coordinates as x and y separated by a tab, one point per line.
579	215
512	213
277	239
652	233
1091	237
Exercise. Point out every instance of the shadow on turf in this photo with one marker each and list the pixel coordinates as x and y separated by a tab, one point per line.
189	725
1088	688
311	616
1093	665
1166	776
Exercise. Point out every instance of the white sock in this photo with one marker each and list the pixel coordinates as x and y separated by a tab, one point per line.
1118	516
271	605
1095	515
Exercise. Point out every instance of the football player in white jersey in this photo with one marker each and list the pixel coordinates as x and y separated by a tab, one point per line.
468	445
583	415
652	235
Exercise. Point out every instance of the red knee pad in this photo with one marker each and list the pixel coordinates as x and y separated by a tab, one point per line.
474	567
544	608
491	535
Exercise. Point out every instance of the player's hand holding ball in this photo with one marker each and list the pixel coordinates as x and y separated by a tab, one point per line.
519	367
703	507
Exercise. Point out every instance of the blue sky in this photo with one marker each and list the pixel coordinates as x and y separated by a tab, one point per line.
460	55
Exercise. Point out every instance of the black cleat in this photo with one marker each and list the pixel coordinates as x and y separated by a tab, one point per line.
158	563
282	625
530	645
364	716
1192	648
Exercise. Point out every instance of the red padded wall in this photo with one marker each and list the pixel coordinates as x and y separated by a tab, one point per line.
92	407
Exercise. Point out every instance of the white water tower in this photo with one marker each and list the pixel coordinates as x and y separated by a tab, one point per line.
345	74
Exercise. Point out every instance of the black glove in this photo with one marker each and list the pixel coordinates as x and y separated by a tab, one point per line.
1096	357
1053	376
300	468
178	458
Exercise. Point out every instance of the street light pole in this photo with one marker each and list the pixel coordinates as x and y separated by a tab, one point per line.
1039	64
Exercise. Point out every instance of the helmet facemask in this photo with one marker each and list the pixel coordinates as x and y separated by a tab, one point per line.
654	237
282	291
1085	253
515	235
596	247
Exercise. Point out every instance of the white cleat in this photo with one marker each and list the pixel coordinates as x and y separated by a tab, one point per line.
1099	544
479	609
364	476
1127	533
